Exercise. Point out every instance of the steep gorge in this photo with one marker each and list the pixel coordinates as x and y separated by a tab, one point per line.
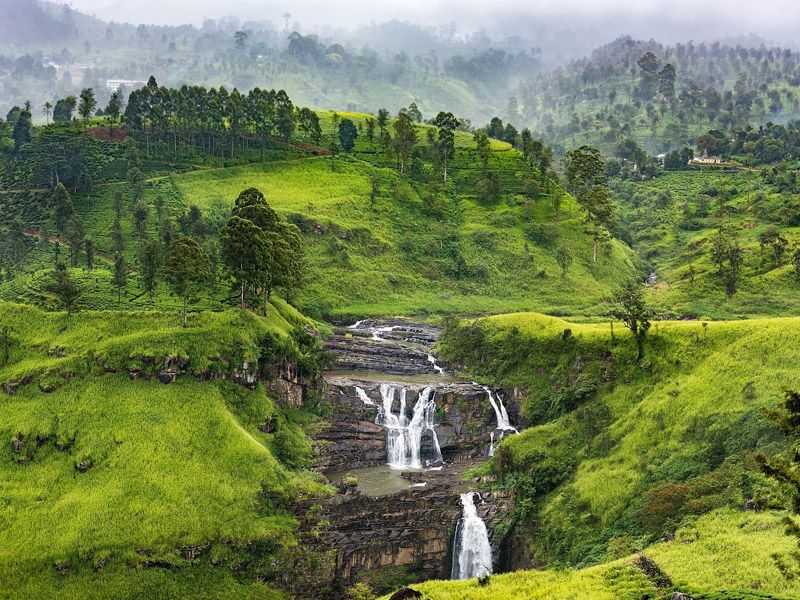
395	520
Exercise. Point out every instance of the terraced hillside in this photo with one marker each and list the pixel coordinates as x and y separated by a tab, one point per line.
674	221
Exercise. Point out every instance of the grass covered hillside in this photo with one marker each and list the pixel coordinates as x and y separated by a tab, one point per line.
116	485
377	242
620	455
674	222
414	254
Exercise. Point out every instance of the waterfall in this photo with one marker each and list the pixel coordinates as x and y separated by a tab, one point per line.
472	554
491	444
404	437
503	422
362	395
356	325
432	360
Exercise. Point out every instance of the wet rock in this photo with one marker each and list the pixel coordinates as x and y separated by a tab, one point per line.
167	376
288	384
403	347
360	354
412	529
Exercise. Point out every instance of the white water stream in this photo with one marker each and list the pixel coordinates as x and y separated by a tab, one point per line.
362	395
472	553
500	413
404	436
437	368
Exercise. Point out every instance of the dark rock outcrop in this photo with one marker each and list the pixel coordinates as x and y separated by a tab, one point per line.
412	530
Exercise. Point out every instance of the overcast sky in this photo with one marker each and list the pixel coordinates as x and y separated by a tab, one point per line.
673	19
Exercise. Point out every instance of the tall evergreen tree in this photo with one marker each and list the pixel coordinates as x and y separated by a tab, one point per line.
120	279
150	260
76	235
187	269
446	125
347	134
61	203
87	104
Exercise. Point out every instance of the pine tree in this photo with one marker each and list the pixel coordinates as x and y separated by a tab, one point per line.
75	234
150	258
62	207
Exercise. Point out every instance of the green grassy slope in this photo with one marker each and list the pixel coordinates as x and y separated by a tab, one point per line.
121	487
395	258
425	247
673	221
621	454
693	562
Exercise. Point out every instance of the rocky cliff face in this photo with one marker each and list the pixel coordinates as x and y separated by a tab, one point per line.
409	533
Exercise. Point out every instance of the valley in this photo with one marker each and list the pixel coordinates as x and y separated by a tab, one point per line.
398	311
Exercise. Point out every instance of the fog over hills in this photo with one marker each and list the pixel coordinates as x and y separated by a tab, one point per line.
589	21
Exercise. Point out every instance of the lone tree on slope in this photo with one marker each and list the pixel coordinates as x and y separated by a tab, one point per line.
633	312
347	134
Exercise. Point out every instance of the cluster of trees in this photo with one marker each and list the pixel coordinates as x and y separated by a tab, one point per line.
399	138
58	153
631	161
668	90
261	251
766	144
534	151
175	120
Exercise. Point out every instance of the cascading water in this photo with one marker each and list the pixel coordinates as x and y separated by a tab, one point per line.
491	444
362	395
404	437
437	368
503	422
472	553
377	331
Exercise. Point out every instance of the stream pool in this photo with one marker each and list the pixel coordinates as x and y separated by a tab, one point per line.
376	481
